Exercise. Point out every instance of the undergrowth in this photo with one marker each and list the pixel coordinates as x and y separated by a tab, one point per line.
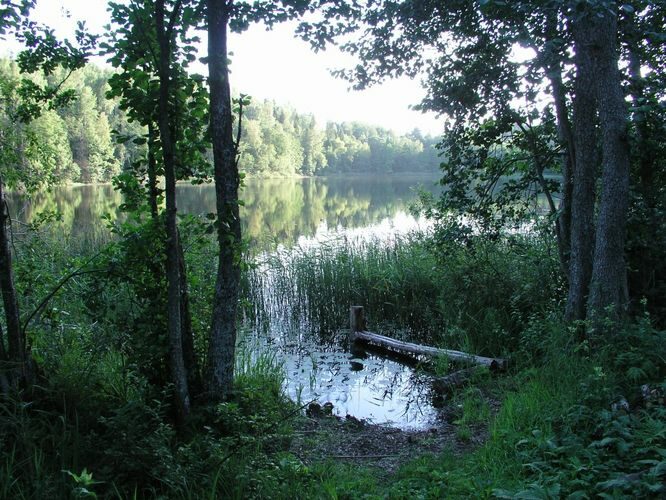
578	419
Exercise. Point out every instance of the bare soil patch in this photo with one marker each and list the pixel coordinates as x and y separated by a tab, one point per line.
320	438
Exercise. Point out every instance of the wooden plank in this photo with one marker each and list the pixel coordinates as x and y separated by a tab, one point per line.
423	350
356	319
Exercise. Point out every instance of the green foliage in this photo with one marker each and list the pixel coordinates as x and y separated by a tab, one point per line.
99	425
278	141
33	154
70	143
557	433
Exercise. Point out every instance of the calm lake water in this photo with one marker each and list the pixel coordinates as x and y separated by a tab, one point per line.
289	214
276	210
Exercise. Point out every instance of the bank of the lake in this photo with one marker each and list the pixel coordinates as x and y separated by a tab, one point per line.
549	426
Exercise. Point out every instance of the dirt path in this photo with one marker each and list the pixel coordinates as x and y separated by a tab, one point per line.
320	438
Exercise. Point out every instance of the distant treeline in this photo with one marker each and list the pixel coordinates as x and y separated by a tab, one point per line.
78	143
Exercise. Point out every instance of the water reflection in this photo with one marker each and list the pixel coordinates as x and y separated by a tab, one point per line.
276	211
317	359
374	388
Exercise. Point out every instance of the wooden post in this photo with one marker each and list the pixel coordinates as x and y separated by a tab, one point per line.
356	321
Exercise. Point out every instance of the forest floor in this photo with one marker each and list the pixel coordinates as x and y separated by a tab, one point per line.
321	438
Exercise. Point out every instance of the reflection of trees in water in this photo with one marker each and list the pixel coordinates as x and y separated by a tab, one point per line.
275	211
80	207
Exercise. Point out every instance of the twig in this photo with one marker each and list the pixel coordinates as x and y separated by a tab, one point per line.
81	270
49	296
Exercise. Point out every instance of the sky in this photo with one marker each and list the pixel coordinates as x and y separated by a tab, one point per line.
275	65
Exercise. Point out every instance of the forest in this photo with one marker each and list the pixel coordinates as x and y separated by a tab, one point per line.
79	139
171	356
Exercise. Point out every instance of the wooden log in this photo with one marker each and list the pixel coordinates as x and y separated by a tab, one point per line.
423	350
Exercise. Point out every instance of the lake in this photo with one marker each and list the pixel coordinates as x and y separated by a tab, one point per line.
275	210
281	216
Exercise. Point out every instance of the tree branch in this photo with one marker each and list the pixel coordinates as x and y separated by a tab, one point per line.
172	19
240	125
51	294
81	270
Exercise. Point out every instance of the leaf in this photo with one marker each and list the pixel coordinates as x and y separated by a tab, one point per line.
620	482
603	443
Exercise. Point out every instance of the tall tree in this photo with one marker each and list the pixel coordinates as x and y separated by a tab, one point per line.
166	36
608	284
153	47
467	49
223	15
222	342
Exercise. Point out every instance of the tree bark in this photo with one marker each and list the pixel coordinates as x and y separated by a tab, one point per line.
3	352
584	175
4	380
637	92
152	172
608	286
187	334
221	350
177	364
645	260
423	350
16	354
553	68
567	165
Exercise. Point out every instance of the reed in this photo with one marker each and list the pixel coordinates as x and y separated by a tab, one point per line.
478	297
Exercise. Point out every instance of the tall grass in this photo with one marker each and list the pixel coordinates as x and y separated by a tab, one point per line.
479	296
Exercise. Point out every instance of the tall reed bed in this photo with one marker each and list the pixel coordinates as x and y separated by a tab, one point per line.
478	296
312	287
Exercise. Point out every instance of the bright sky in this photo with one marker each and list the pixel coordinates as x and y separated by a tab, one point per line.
278	66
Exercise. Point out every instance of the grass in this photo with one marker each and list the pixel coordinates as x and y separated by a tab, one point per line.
478	298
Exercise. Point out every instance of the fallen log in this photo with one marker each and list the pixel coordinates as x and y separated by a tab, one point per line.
358	333
422	350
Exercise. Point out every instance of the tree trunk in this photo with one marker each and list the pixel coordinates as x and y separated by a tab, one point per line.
187	334
567	165
553	69
423	350
608	286
645	260
3	352
221	350
4	362
177	364
152	172
584	176
16	354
